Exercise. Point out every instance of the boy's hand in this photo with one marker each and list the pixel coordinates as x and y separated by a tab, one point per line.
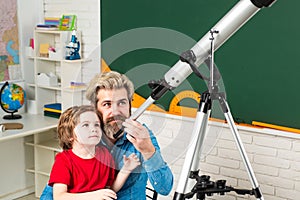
105	194
130	162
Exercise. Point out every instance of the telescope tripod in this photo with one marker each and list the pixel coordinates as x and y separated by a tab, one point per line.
204	186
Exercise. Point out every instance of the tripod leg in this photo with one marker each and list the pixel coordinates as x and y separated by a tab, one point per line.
240	147
200	141
195	146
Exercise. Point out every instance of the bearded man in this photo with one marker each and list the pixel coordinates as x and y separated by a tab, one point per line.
111	93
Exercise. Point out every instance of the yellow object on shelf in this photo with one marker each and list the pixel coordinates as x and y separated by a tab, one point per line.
44	50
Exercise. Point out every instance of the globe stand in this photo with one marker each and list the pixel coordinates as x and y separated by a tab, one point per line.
12	116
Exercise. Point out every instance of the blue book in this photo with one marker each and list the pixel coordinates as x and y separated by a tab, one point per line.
46	26
56	106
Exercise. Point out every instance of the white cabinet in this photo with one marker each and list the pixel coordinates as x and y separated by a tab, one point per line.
45	147
53	65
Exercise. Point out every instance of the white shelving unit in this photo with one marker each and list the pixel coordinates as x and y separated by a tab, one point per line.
66	71
45	147
15	155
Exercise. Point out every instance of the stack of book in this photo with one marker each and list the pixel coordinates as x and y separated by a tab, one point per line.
52	21
52	110
77	85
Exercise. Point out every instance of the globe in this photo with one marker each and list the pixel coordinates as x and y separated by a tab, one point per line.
12	97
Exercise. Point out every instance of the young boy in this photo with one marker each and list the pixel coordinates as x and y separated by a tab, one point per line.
84	170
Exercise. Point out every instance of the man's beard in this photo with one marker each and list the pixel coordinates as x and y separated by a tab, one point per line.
110	128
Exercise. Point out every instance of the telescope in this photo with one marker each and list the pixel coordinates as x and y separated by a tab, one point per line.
201	52
227	26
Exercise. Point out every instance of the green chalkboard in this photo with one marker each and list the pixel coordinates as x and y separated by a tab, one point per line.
259	63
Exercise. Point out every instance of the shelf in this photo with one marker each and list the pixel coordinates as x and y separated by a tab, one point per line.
60	60
48	31
52	145
31	143
81	89
30	57
31	85
58	88
30	170
78	60
13	81
47	59
44	171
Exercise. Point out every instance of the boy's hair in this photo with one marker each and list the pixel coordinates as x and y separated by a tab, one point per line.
67	122
108	80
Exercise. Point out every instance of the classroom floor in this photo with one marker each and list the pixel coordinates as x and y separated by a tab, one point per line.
28	197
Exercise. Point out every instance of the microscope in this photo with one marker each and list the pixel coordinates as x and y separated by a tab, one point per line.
72	49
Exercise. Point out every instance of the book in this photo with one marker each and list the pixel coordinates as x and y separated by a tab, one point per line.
46	27
52	110
56	106
51	114
52	21
75	85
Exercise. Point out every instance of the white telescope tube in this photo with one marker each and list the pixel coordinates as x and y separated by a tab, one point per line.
226	27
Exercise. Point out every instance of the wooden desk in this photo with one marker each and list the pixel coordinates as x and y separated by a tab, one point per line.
27	155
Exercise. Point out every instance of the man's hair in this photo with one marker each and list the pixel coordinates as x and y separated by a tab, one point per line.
67	123
108	80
